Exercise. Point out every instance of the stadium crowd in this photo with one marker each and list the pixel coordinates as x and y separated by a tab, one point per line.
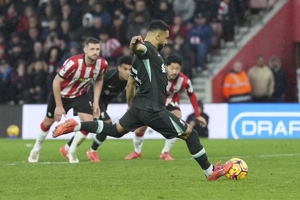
37	36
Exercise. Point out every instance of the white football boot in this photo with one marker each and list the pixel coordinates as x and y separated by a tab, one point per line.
33	156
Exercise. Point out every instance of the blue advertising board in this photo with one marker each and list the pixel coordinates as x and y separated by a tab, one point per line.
263	121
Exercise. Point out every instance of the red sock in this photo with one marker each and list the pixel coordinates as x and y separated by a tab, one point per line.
84	133
44	128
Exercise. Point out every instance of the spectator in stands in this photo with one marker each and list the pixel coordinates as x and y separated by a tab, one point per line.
4	32
199	37
207	7
177	27
227	17
111	48
15	54
85	30
166	51
24	21
139	10
192	120
31	37
236	86
71	17
74	49
182	49
99	11
37	73
53	27
37	53
98	26
280	79
53	61
118	29
19	84
262	81
184	8
52	40
12	19
65	34
46	15
164	12
135	27
5	72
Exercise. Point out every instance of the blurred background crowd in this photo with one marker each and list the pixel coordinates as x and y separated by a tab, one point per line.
37	36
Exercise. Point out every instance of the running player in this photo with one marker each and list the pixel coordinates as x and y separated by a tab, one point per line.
147	105
70	91
114	83
177	82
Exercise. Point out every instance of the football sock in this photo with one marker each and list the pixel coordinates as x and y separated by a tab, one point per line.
138	143
41	137
79	137
169	143
198	152
70	141
99	127
98	140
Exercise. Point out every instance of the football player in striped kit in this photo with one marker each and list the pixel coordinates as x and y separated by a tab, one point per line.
70	91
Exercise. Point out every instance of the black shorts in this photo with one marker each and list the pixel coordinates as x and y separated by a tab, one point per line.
103	108
164	122
81	104
173	106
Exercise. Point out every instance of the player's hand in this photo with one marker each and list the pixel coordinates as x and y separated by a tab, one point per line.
137	39
96	111
58	113
202	121
128	108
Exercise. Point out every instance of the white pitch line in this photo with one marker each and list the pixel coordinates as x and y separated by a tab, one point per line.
214	157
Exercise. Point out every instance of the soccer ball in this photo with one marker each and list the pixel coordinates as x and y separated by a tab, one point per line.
239	169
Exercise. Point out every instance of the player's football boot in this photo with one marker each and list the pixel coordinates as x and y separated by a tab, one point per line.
133	155
220	170
33	156
93	156
73	157
64	152
64	128
166	156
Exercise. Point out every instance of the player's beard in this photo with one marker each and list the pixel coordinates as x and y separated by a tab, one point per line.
160	47
92	59
172	77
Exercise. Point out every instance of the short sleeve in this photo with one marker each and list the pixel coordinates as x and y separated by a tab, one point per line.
67	69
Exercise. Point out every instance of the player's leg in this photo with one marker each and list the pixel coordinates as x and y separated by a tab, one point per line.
169	125
169	143
92	153
128	122
138	140
43	131
82	107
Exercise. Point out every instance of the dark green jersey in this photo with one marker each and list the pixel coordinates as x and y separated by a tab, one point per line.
149	71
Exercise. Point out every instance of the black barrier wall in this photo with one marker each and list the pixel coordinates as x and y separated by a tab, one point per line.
10	121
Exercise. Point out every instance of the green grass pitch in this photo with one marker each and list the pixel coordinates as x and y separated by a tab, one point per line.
273	172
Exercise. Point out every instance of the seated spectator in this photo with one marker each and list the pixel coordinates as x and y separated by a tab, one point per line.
262	81
181	48
166	51
227	18
111	48
5	72
118	29
184	8
37	73
24	21
99	11
98	26
19	84
65	33
15	54
85	30
139	9
237	87
37	53
164	12
194	122
199	37
177	27
74	49
280	79
135	27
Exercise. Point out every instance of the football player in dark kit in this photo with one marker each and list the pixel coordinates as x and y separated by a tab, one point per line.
113	84
147	105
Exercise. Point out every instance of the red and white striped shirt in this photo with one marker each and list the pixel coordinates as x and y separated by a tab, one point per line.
78	76
174	88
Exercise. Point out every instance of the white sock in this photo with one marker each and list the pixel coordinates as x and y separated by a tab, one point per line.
77	127
138	143
168	145
39	140
67	147
208	172
79	137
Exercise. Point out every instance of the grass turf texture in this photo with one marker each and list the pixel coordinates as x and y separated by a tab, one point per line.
273	172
